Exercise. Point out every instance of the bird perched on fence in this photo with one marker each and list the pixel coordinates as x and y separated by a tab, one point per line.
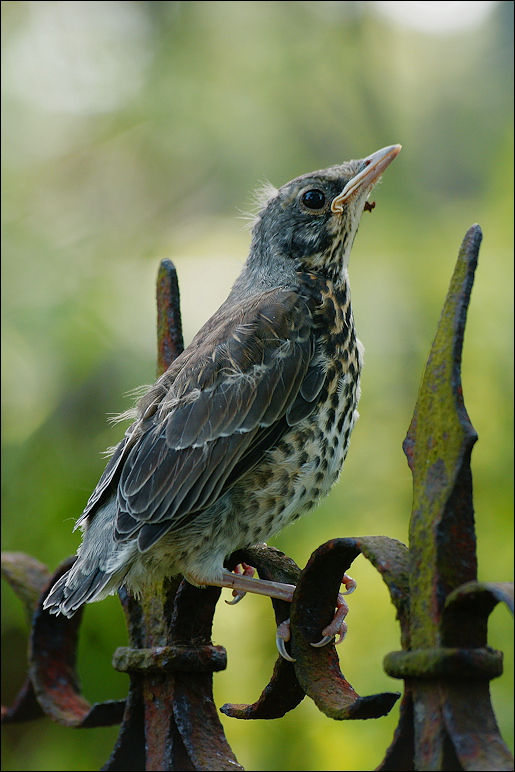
249	427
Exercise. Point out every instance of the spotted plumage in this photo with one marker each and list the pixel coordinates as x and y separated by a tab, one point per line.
250	425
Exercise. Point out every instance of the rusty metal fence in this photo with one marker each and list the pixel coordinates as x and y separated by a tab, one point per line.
169	720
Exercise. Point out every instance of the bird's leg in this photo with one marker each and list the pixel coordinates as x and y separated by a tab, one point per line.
337	627
242	583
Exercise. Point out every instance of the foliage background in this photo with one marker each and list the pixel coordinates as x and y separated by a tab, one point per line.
134	131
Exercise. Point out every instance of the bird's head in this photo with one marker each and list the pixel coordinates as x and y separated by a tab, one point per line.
310	223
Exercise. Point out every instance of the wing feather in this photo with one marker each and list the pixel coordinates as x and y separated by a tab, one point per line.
248	375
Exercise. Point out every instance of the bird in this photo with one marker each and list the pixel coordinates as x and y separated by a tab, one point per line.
249	426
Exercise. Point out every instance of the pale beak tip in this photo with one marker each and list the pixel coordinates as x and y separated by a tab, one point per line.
375	164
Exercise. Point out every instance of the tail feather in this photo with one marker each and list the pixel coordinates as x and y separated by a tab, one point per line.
98	570
71	592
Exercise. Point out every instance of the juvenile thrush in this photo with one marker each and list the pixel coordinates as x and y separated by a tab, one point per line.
249	427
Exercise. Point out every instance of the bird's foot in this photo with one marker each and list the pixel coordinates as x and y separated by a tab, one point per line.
243	569
243	580
337	627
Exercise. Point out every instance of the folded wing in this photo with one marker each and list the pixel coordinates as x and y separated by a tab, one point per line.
247	376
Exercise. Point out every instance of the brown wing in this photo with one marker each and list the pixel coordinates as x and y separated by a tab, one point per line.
233	393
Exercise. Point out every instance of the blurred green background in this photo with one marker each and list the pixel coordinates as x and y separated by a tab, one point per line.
135	131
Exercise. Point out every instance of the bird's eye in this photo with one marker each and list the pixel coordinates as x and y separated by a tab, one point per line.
313	199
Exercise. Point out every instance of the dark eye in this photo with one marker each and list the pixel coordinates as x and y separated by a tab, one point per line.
313	199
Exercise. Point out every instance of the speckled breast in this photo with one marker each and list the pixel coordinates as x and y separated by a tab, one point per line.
307	461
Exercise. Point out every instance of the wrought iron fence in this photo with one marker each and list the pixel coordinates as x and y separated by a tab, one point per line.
169	720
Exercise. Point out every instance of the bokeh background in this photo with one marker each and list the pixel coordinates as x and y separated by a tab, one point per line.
135	131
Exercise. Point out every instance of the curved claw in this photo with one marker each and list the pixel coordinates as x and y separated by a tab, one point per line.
242	569
281	637
325	640
281	648
350	584
237	597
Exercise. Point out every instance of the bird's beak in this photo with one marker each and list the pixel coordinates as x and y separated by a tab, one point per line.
375	165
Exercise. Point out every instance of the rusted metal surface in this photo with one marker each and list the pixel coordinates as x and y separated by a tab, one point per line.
438	447
169	720
53	673
466	612
52	687
316	672
170	342
28	578
312	608
447	721
171	660
283	692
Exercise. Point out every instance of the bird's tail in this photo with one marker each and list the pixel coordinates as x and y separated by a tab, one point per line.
75	588
98	571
